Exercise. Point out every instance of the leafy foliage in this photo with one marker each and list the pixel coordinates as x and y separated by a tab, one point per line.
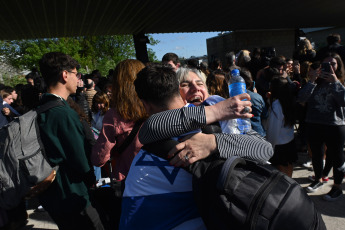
13	81
92	52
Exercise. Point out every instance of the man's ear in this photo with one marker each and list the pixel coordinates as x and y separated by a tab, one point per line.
178	65
64	76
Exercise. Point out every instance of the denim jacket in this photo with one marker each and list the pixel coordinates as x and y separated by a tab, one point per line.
259	110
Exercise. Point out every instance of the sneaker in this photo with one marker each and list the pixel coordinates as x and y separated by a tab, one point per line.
40	209
325	179
334	194
314	186
308	164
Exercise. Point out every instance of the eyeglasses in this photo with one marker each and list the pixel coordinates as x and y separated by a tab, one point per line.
78	75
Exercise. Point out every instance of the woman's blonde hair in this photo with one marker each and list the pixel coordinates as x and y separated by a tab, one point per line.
125	99
303	46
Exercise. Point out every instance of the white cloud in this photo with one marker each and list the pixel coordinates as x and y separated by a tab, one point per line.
179	48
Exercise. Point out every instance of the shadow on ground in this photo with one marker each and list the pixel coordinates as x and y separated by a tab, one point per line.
334	209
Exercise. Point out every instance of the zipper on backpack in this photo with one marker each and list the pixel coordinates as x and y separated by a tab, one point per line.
262	193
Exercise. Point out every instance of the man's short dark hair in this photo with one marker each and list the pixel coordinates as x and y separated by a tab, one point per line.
52	64
157	84
170	57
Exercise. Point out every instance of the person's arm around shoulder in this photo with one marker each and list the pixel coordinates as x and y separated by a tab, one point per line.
200	146
176	122
250	145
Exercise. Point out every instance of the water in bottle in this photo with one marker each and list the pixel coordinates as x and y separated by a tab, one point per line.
238	86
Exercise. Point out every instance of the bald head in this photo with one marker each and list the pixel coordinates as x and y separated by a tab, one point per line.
90	84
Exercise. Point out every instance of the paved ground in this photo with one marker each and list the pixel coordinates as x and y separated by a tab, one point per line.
332	213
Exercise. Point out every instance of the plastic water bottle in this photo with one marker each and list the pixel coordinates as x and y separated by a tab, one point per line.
238	86
227	126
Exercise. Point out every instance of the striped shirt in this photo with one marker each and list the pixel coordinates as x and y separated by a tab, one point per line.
176	122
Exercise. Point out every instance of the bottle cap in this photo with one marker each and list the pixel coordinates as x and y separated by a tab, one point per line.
235	72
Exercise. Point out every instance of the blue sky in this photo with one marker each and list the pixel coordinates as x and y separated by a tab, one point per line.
183	44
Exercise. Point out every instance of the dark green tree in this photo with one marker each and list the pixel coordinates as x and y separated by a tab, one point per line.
92	52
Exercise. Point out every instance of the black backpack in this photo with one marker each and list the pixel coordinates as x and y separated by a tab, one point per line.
242	194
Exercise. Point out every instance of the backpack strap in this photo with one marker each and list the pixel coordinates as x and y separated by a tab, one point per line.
227	169
48	105
43	108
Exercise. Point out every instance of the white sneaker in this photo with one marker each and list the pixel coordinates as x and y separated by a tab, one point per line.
40	209
308	164
314	186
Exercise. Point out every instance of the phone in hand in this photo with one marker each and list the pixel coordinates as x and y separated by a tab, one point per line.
326	67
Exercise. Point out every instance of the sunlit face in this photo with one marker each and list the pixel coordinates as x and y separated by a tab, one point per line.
72	83
8	99
332	61
193	90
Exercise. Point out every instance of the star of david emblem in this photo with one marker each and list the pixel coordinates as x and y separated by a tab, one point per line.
156	162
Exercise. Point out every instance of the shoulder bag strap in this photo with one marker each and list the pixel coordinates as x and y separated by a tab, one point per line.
124	145
129	139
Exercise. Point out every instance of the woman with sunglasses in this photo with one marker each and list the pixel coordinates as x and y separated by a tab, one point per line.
325	118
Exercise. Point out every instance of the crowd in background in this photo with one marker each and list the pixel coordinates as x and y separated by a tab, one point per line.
306	89
284	91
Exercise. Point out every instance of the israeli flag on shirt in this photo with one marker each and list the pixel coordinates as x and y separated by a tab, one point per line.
158	196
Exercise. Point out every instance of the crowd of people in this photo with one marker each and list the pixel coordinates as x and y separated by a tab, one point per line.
174	100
